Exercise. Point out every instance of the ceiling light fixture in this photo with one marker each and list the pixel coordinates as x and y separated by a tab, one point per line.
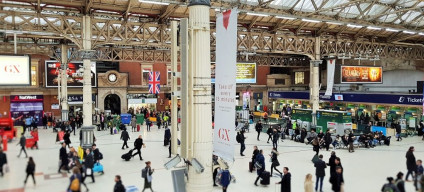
288	18
258	14
333	23
392	30
373	28
408	32
153	2
311	21
354	26
420	33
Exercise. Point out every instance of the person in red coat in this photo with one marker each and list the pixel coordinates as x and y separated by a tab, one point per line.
34	134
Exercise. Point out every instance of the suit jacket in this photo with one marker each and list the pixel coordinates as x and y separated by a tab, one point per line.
320	168
285	183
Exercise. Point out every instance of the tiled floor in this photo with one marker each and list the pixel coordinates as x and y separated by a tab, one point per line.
365	170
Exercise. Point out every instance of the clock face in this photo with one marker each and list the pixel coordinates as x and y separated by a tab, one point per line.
112	77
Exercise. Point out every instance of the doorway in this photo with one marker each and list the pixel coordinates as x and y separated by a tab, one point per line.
113	103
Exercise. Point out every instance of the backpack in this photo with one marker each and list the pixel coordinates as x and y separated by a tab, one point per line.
387	188
238	138
100	155
75	184
143	173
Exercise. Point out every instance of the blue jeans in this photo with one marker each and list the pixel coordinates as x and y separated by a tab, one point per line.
316	184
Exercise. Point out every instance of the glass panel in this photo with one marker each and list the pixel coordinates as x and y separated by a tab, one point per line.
145	76
169	75
33	75
299	78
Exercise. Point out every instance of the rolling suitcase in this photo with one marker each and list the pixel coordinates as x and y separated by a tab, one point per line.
250	166
138	128
127	156
265	178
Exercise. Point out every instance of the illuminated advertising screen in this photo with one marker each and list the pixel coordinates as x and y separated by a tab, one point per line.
246	73
74	72
15	70
361	74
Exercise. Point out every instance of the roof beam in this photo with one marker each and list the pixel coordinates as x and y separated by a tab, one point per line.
343	5
127	12
88	5
170	9
396	11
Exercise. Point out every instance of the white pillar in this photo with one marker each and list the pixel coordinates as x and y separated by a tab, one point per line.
174	89
315	89
64	83
201	116
86	95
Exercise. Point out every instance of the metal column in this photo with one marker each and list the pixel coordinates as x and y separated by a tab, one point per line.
174	89
64	82
200	130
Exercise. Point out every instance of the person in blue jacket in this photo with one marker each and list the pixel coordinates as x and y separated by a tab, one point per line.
225	180
261	160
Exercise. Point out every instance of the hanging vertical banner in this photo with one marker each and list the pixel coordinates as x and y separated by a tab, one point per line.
331	66
225	84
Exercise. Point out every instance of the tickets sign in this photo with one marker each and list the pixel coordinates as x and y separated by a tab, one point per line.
356	74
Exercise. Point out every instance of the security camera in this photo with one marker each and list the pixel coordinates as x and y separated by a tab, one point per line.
173	162
197	166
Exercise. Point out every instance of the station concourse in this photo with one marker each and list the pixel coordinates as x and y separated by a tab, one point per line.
192	83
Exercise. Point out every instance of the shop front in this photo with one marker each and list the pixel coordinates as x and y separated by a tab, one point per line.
75	104
137	103
26	106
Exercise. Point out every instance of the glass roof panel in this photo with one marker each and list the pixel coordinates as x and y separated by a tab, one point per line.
305	5
333	3
376	10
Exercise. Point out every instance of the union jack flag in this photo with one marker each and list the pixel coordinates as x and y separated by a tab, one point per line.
154	82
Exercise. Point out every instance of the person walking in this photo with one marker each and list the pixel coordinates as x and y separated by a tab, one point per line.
119	187
390	186
146	173
225	179
398	132
350	140
88	164
166	136
22	143
34	134
75	181
419	174
285	180
97	156
134	123
337	180
125	137
328	140
332	163
274	161
410	163
320	167
67	138
258	128
260	161
3	161
255	153
269	133
315	144
148	124
102	121
275	137
63	156
73	125
309	184
30	170
242	142
400	183
138	143
44	119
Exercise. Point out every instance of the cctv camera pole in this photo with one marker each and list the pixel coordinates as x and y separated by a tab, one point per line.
64	82
201	109
87	55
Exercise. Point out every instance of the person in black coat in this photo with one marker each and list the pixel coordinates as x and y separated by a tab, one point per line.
242	144
96	153
30	170
125	137
44	121
331	162
67	138
398	131
63	156
167	136
258	128
255	153
89	164
138	143
328	140
275	137
337	180
73	125
320	167
411	164
119	187
3	160
285	180
22	143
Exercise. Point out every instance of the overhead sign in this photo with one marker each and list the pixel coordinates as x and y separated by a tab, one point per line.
245	72
356	74
225	88
75	72
26	98
15	70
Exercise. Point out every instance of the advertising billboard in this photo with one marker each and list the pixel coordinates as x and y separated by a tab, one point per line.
361	74
15	70
74	71
245	72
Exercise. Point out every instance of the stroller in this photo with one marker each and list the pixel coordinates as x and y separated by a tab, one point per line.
127	156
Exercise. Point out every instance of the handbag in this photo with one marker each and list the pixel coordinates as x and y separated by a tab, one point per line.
258	165
88	171
6	168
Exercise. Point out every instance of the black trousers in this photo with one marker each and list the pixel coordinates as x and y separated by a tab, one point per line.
63	163
24	150
269	138
242	148
215	172
32	175
125	144
92	176
258	135
139	153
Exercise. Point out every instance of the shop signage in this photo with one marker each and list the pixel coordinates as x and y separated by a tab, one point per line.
55	106
355	97
355	74
15	70
75	72
245	72
26	98
78	99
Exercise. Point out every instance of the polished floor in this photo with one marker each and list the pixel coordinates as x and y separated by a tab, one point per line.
365	170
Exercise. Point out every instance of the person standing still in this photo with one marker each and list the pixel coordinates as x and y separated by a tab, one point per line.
119	187
22	142
258	128
242	140
337	180
138	143
309	184
410	163
255	153
285	180
320	167
134	123
275	137
350	140
419	174
44	121
125	137
30	170
147	173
